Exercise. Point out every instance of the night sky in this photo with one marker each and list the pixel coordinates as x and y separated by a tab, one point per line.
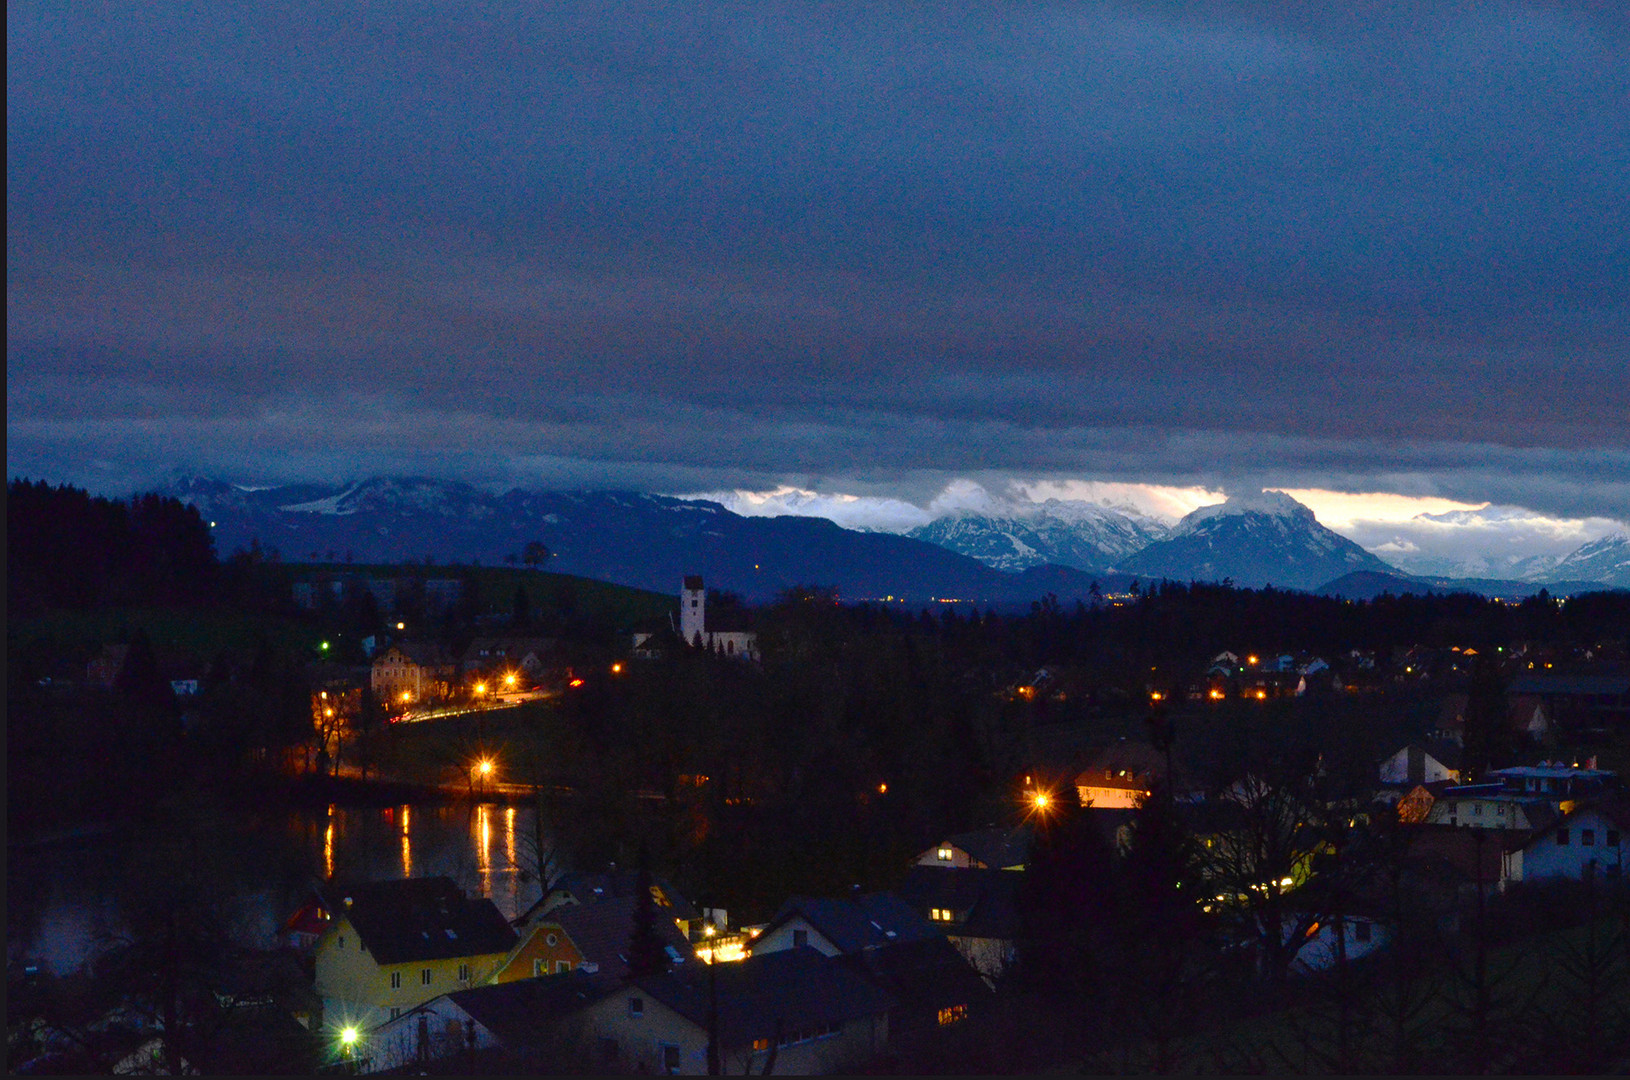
882	250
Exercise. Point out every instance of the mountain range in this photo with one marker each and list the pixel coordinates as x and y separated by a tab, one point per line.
650	541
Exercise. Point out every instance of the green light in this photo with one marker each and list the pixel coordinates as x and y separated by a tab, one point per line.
325	646
348	1036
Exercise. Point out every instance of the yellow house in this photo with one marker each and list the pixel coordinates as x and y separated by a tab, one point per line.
393	945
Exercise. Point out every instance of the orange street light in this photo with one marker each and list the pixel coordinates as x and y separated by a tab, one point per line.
616	669
481	688
509	680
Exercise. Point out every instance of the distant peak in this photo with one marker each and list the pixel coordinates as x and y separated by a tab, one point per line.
1269	503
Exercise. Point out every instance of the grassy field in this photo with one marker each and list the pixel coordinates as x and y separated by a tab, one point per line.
189	634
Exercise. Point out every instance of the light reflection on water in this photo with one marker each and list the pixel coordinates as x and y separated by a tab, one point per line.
71	887
455	841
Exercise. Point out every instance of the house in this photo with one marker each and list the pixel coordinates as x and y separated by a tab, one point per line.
595	935
1589	841
1489	806
832	927
1414	764
1573	703
929	983
993	848
526	1017
1121	775
1558	781
526	658
977	909
1328	940
791	1012
410	672
302	930
392	945
724	637
592	888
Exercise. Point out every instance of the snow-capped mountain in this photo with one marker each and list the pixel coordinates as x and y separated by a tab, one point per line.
1082	535
1606	561
648	541
1263	539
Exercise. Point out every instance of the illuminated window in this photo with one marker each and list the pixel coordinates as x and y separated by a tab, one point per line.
945	854
953	1014
761	1044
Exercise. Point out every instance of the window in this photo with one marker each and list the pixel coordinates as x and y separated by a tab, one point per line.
1587	837
953	1014
551	939
636	1007
1361	931
538	967
1612	838
944	854
1477	809
761	1044
341	945
395	1012
562	966
800	938
670	1058
396	980
424	976
1562	838
464	973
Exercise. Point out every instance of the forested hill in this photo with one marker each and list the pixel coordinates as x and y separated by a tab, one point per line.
68	548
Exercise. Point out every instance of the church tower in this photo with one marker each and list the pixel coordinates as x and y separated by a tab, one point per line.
693	610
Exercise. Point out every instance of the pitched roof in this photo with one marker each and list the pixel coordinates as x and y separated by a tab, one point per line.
602	932
864	922
588	888
516	1012
787	992
985	900
425	919
423	653
997	847
921	977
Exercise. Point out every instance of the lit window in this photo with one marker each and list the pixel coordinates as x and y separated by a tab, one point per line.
953	1014
945	854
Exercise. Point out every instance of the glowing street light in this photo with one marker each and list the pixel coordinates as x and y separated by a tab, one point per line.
480	688
509	680
616	669
401	626
484	767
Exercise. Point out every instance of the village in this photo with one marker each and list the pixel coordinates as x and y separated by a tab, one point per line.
615	968
824	837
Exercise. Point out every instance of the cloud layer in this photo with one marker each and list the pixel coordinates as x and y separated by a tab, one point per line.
700	247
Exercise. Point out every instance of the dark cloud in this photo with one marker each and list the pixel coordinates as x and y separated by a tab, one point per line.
735	245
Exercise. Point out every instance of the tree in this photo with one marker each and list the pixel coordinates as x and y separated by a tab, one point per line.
646	952
534	554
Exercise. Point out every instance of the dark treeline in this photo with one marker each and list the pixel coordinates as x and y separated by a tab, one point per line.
67	548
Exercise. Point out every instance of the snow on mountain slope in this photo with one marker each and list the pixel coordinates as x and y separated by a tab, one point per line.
1261	539
1081	535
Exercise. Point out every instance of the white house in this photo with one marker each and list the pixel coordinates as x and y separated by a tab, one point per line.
1415	765
1591	840
1361	935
